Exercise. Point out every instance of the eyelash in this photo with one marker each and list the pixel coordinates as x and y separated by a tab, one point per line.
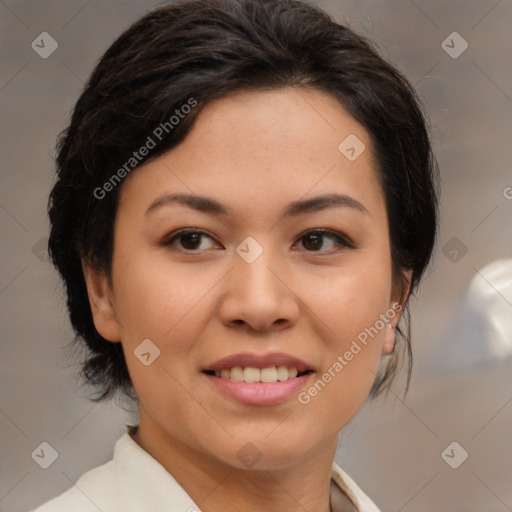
341	241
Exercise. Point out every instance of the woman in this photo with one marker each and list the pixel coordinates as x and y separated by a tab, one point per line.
245	202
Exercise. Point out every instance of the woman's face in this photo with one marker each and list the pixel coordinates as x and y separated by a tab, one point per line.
256	284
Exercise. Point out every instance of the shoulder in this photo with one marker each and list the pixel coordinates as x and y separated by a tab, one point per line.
92	492
132	481
352	490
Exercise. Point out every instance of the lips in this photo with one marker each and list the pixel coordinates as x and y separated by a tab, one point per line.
252	369
258	380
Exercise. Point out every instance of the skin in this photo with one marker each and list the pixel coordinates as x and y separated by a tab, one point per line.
254	152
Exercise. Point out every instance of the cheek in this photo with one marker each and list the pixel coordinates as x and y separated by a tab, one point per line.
171	306
349	299
350	303
168	306
156	300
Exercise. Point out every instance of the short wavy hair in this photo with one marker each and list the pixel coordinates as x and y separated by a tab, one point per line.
209	49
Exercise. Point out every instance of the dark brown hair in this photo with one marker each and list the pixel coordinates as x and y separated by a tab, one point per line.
201	50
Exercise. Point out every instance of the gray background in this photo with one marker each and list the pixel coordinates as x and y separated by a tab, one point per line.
461	390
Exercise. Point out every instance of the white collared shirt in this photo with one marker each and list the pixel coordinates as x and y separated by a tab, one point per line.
133	481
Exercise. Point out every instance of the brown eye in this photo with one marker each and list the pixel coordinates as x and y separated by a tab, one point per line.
313	241
321	240
191	240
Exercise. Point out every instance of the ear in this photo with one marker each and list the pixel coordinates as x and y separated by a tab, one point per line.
101	302
397	305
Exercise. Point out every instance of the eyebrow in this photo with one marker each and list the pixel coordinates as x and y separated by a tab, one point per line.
199	203
322	202
212	206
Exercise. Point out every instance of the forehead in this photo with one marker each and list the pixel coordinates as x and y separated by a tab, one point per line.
258	148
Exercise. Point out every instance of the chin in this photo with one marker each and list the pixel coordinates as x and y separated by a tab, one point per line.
250	458
267	452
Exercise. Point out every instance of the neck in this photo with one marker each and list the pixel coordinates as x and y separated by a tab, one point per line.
216	486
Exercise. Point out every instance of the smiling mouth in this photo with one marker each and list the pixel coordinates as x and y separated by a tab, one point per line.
250	374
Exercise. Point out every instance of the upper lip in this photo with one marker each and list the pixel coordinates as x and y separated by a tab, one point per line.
259	361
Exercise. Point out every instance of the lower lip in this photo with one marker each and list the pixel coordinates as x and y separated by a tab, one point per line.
260	393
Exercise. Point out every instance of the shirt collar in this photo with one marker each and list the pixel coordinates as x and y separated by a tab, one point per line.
144	484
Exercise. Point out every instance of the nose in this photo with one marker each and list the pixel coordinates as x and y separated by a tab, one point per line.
259	296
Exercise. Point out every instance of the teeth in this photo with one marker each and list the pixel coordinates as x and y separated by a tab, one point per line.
250	374
282	373
268	374
292	373
237	373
